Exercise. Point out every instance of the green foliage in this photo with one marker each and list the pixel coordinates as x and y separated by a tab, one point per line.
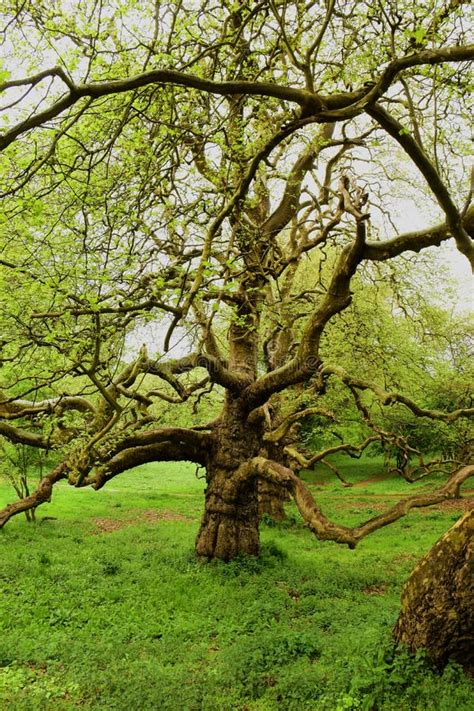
393	678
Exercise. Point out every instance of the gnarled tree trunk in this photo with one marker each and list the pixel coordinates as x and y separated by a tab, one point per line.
230	523
229	526
438	599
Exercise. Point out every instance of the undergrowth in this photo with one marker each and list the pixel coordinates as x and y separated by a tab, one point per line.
124	617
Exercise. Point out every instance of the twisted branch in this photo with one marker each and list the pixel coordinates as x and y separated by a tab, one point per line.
326	530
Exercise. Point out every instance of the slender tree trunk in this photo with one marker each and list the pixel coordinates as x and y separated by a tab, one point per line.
438	599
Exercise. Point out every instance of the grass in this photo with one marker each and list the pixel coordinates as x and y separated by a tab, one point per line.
105	606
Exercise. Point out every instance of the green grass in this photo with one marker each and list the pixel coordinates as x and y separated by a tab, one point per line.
105	607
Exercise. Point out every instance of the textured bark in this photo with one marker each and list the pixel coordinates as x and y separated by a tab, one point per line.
230	523
271	500
229	527
438	600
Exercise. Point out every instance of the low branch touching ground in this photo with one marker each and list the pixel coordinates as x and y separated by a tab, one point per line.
326	530
40	496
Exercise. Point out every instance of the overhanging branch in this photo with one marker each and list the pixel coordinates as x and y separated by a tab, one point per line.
453	217
389	398
18	435
316	107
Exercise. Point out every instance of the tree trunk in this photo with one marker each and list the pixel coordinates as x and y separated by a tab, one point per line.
438	599
271	500
230	523
229	527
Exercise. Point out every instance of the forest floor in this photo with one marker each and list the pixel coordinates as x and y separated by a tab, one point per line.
104	606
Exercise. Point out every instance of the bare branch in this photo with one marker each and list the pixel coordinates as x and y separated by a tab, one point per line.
454	220
389	398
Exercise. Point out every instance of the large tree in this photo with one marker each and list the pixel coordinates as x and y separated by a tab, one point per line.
214	179
437	612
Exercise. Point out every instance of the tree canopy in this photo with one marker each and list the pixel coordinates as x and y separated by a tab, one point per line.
217	180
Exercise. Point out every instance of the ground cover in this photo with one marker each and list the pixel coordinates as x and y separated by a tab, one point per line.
104	606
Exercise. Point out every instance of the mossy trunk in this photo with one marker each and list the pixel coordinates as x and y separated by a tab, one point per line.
438	599
271	500
229	527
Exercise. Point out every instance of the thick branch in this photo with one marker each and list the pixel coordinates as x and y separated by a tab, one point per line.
193	444
11	410
453	217
218	373
157	76
407	242
322	108
326	530
18	435
166	451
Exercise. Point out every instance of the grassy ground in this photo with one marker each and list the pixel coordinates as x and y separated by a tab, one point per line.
105	607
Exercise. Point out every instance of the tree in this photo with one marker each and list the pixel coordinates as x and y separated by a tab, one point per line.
219	173
437	613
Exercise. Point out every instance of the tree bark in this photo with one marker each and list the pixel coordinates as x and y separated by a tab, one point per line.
438	599
229	527
271	500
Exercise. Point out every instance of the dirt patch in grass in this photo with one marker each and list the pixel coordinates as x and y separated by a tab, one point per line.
371	503
364	482
453	505
157	515
372	480
374	590
110	525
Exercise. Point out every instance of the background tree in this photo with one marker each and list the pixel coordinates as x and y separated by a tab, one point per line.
175	169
